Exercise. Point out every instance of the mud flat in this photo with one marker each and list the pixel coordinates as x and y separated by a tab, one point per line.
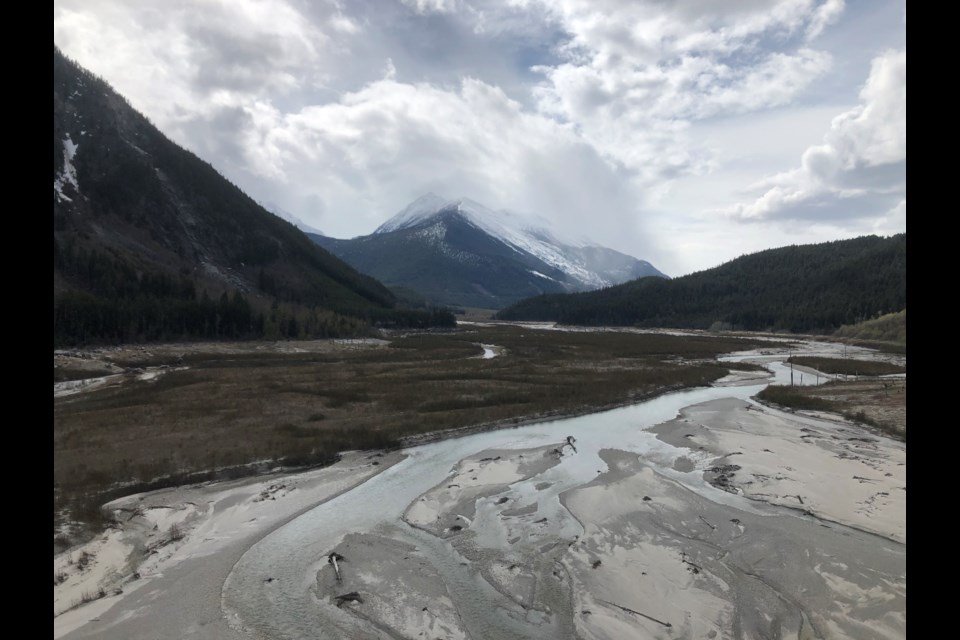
520	562
658	560
835	471
399	577
398	590
171	550
449	508
765	525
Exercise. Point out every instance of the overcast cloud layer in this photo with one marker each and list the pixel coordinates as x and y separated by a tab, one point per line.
684	132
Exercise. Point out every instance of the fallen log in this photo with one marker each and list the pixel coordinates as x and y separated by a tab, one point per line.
613	604
693	567
353	596
333	559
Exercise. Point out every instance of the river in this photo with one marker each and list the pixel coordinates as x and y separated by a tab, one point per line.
287	606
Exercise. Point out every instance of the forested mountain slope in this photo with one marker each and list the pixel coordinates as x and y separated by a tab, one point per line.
816	287
150	242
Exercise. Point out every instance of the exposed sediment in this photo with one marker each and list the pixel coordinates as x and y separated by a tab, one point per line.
696	568
394	587
655	557
832	470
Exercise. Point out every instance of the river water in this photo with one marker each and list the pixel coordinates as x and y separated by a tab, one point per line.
287	607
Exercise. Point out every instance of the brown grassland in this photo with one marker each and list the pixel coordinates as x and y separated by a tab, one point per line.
848	366
240	408
878	403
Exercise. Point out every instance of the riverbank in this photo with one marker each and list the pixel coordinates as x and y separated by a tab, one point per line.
661	561
620	534
163	532
833	471
178	410
799	533
756	522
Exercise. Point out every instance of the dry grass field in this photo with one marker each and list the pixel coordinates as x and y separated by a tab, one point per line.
848	366
239	408
879	403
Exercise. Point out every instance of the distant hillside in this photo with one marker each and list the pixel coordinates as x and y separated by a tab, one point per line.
151	243
460	252
891	327
816	287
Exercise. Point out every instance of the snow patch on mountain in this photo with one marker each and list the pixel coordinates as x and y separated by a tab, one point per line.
69	173
545	277
435	235
289	217
417	211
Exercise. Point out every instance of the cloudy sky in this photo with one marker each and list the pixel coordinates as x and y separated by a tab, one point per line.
685	132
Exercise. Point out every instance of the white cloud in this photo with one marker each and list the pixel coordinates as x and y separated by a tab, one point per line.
825	15
894	221
636	74
377	148
589	112
432	6
860	168
390	70
180	60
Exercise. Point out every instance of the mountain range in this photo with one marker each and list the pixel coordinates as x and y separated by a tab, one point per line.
151	242
459	252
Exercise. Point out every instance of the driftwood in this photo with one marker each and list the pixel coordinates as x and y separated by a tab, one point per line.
693	567
707	523
353	596
333	559
570	441
613	604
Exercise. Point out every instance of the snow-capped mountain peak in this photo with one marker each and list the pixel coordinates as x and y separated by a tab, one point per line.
527	234
414	213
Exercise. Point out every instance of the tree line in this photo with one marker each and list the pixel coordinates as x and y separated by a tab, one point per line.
109	301
798	288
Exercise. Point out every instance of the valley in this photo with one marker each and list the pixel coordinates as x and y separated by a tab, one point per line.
288	406
172	413
548	534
